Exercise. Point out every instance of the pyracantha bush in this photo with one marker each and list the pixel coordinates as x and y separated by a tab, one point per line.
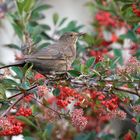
98	98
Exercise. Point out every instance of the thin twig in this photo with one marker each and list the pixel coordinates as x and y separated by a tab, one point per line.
47	107
10	107
127	90
126	110
20	98
22	92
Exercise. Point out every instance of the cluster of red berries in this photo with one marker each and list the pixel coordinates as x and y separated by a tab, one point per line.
24	112
67	95
112	103
136	11
10	126
105	19
28	98
97	95
98	54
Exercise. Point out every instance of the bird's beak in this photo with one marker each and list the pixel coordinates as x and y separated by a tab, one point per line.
81	34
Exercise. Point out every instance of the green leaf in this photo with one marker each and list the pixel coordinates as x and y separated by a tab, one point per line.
98	65
28	72
118	54
48	131
89	39
12	46
41	8
107	137
25	85
28	5
76	65
90	5
55	18
45	134
9	82
90	62
28	138
138	136
46	36
84	69
114	62
130	35
18	72
2	92
45	27
74	73
56	92
62	21
18	30
37	30
25	5
26	121
71	26
86	136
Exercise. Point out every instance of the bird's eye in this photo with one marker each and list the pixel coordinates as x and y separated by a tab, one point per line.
71	35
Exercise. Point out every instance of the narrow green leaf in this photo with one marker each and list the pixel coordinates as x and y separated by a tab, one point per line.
12	46
130	35
18	72
85	136
62	21
74	73
42	8
18	30
28	138
2	92
55	18
25	85
90	62
9	82
138	136
28	72
45	27
25	5
48	130
118	54
26	121
28	5
71	26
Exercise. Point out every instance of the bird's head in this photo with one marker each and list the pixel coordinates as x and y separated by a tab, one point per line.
70	37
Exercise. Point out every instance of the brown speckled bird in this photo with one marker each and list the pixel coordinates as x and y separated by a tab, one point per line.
57	57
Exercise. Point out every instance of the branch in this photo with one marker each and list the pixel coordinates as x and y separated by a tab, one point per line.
47	107
33	87
137	93
20	98
127	110
8	110
92	83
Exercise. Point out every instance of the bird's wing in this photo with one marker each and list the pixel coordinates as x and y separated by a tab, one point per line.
52	52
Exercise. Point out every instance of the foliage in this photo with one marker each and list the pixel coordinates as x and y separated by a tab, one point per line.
102	85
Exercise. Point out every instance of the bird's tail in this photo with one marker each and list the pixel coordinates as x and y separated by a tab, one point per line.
19	63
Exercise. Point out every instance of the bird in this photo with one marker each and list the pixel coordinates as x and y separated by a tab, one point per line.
57	57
